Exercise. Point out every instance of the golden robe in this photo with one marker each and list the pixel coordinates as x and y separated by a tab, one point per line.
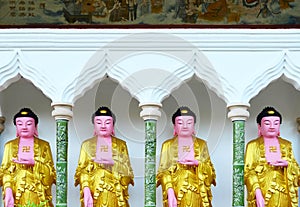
191	184
108	184
29	183
279	185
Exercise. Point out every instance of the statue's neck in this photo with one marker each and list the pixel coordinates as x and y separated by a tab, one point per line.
185	140
270	140
26	139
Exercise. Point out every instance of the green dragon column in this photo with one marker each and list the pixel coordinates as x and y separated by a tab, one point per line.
62	113
150	114
238	163
61	162
238	115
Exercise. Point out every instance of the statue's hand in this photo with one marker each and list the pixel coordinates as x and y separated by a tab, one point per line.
279	163
189	162
23	161
172	201
260	201
104	161
87	197
9	198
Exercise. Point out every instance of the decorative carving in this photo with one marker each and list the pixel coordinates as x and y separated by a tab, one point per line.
285	68
17	67
150	111
238	111
62	111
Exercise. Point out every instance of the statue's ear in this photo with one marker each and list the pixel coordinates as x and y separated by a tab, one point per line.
113	132
36	131
174	133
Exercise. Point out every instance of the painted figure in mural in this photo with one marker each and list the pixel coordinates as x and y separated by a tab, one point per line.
271	171
104	171
115	13
132	9
186	172
27	165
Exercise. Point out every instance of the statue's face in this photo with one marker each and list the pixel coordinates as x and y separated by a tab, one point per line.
270	126
25	127
184	126
103	126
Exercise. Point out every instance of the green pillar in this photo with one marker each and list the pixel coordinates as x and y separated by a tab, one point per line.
238	114
61	162
150	113
150	167
238	163
62	113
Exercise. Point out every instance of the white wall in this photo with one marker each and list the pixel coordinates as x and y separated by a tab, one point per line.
226	66
212	125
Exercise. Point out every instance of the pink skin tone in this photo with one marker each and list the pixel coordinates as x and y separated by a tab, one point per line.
172	201
88	199
103	129
26	129
184	129
103	126
9	198
270	130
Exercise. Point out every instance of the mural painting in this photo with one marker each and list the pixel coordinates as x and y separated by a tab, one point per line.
149	12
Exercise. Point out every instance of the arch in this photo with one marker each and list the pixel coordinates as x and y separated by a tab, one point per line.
212	79
94	70
284	68
18	67
174	59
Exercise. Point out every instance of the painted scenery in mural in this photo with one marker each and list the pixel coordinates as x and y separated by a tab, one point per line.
149	12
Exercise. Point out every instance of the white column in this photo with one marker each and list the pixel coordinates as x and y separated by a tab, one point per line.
238	111
150	113
62	111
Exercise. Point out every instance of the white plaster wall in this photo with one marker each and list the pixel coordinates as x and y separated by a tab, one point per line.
212	125
46	56
222	67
